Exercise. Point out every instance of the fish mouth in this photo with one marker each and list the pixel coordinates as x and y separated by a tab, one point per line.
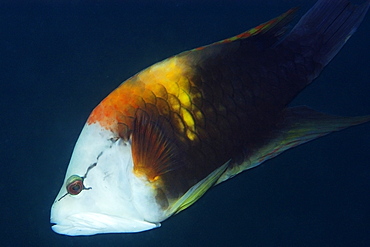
93	223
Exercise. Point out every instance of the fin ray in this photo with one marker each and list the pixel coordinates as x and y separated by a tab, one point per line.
197	191
300	125
154	151
328	25
267	33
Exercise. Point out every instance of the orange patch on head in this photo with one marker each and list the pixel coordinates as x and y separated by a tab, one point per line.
121	101
157	81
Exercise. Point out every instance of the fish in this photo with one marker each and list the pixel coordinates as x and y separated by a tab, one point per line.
164	137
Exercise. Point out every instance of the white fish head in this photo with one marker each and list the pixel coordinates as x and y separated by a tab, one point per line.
108	198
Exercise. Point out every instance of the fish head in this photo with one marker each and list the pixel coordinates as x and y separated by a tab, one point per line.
100	193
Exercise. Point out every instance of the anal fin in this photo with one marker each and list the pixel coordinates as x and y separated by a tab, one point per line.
299	125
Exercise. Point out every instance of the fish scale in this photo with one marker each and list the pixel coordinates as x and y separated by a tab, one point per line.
219	86
207	93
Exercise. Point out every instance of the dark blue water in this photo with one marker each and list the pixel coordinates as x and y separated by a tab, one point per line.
60	58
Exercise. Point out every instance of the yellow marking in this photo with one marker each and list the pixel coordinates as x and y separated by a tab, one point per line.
198	115
154	179
165	84
177	121
191	135
184	99
188	119
167	73
253	31
172	88
184	83
174	102
234	38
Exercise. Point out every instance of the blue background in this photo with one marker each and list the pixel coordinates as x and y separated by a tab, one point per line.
59	59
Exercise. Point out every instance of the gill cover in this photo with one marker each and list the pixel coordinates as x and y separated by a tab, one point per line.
94	198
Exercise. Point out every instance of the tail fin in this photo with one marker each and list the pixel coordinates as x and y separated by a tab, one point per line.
327	26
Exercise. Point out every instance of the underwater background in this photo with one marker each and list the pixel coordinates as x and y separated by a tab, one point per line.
59	59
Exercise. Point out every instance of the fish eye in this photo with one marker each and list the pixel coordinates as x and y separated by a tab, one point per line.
74	185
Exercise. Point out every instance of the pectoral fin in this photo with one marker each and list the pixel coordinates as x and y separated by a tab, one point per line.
299	125
195	192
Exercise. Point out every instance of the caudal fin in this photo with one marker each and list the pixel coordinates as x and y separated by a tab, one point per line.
327	26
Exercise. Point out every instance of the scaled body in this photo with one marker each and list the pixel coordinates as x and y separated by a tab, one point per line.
159	141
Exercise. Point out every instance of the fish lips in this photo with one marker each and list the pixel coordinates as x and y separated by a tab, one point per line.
93	223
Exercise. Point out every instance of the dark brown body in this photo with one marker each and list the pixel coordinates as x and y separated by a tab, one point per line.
192	113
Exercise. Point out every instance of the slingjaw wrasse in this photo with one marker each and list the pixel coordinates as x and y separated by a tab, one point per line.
166	135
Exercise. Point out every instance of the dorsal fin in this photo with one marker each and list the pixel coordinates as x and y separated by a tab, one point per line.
270	31
154	150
